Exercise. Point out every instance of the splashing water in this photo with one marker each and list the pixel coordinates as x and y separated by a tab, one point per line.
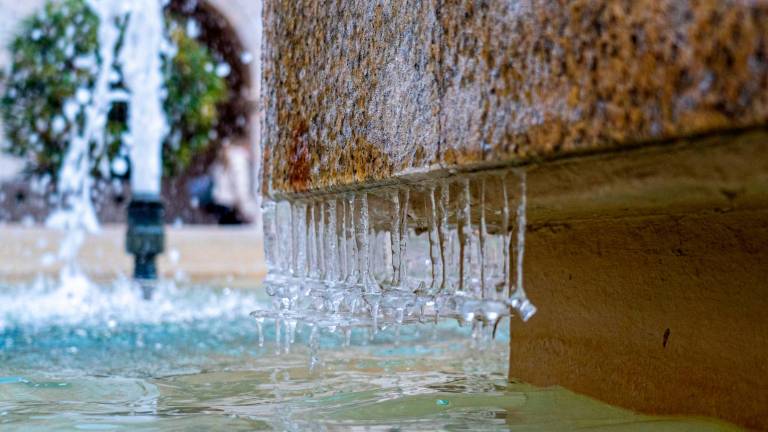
393	256
116	304
140	60
77	215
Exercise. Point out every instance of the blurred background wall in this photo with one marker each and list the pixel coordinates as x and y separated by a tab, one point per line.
229	26
13	12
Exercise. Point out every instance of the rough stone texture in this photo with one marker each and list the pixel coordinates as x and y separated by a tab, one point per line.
351	90
661	314
648	269
358	92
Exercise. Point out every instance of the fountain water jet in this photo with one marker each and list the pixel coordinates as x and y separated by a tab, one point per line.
140	58
142	70
143	43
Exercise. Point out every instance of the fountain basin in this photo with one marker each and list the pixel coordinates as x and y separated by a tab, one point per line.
229	253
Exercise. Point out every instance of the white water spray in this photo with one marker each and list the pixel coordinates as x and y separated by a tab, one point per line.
75	184
144	42
140	60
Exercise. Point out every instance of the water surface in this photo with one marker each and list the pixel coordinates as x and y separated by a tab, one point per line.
191	360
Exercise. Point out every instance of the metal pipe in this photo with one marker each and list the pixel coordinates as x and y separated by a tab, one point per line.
145	239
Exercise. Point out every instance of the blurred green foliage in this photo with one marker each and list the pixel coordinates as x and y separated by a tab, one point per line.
56	53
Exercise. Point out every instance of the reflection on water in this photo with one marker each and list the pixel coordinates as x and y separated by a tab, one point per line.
200	367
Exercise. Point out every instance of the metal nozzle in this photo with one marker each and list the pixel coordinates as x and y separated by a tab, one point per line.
145	239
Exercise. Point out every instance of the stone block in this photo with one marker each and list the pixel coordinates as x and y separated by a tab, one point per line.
359	92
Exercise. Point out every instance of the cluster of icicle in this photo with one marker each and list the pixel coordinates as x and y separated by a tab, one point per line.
440	249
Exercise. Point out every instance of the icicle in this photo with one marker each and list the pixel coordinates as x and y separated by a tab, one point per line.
270	236
294	240
301	221
403	216
435	253
381	258
363	245
284	238
519	300
312	252
442	227
483	242
332	265
352	265
354	274
395	240
332	241
465	238
345	252
320	229
521	227
506	239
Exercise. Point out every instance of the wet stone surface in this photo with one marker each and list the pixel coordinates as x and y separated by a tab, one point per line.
362	91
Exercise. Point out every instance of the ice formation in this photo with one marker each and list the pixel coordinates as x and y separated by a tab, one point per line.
440	249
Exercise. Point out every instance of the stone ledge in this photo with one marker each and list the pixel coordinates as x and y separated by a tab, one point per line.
648	269
661	314
720	172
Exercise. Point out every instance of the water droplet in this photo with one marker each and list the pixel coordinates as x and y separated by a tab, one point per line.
223	70
246	57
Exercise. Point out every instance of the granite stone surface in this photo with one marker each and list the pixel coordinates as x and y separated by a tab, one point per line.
361	91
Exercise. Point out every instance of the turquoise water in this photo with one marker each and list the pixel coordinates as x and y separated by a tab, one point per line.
198	366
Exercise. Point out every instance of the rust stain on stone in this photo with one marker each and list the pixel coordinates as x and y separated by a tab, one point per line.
299	159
